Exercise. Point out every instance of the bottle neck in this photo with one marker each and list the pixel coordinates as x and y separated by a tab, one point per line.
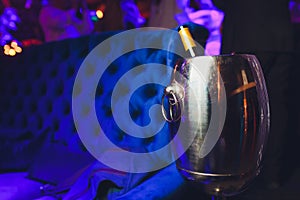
187	40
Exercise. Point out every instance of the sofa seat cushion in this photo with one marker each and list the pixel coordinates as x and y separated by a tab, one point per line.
102	182
16	186
55	163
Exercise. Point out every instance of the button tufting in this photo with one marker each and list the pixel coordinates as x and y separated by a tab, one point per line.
113	69
70	71
53	73
89	70
38	87
42	91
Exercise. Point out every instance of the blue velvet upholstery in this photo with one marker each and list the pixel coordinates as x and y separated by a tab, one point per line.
36	95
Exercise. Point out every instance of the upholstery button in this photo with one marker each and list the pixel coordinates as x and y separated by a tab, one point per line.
42	89
77	90
120	135
35	122
49	107
19	105
66	108
107	110
135	114
99	90
150	91
74	130
59	88
20	121
53	73
85	110
55	124
89	70
70	71
112	69
84	52
38	73
28	90
33	107
149	140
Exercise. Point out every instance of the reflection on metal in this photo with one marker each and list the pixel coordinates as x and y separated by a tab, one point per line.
207	174
243	88
219	82
245	103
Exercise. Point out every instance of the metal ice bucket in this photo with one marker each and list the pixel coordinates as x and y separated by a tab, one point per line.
220	103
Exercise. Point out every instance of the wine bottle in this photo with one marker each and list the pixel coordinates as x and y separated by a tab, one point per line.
188	42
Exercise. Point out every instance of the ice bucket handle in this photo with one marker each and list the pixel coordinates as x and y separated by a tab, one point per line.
173	98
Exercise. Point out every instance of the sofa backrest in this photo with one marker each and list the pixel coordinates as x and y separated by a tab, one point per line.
36	89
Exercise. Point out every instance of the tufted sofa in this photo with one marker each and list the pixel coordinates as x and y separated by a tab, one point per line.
35	104
39	142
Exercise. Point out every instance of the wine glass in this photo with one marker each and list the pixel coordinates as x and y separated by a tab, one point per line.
221	104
